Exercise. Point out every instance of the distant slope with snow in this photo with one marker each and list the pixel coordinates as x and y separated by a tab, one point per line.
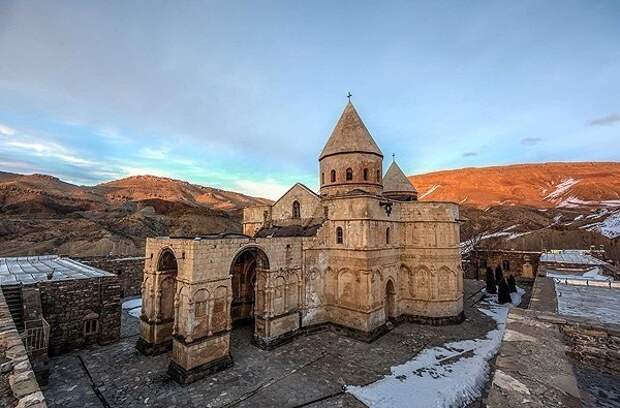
545	185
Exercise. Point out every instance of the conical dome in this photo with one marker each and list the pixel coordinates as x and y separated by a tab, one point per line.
350	135
397	186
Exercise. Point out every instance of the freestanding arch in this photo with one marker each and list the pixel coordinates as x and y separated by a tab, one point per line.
157	322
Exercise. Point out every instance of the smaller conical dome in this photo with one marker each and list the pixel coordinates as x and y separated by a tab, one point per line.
397	186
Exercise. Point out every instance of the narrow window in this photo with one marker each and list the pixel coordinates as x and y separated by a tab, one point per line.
339	237
506	265
326	212
296	209
322	178
333	176
90	327
378	176
349	174
387	235
365	174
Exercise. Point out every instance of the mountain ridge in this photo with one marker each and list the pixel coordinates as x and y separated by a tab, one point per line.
538	185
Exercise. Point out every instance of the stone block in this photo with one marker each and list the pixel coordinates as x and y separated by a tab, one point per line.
23	384
34	400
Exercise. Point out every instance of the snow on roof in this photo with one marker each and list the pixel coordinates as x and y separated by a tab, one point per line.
571	257
33	269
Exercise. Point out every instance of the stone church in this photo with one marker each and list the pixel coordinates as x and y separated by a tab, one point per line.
358	255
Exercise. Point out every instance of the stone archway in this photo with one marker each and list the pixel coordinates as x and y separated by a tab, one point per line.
247	271
157	322
390	301
167	271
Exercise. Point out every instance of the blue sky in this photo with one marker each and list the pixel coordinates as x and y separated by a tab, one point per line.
243	95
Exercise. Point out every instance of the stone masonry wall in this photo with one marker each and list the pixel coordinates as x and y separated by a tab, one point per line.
595	344
67	304
18	385
130	271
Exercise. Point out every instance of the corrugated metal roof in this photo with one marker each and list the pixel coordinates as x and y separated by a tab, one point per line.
32	269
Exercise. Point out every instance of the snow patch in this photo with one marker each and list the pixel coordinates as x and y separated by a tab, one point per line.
429	191
453	374
602	304
133	307
561	188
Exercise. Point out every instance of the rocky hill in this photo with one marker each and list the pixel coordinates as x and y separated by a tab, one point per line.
533	206
530	206
41	214
546	185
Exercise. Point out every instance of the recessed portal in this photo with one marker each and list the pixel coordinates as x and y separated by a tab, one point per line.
245	269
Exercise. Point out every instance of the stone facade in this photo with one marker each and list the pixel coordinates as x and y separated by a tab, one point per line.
350	259
130	271
67	305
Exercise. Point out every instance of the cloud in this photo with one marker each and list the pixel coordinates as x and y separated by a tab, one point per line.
6	131
268	188
530	141
470	154
51	150
154	154
608	120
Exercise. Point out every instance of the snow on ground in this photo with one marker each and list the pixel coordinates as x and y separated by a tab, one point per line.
611	226
453	374
133	307
561	188
594	274
602	304
429	191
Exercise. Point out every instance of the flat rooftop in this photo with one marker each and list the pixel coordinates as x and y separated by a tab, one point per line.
576	257
32	269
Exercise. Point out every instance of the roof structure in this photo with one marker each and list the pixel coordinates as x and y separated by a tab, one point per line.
350	135
32	269
575	257
395	181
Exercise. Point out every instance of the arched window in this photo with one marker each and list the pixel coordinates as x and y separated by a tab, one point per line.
349	174
322	178
296	209
365	174
339	235
387	235
378	176
333	176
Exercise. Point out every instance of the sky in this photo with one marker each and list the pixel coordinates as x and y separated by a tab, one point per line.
243	95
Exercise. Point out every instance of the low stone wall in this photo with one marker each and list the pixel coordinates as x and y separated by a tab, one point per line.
130	271
532	366
18	385
595	344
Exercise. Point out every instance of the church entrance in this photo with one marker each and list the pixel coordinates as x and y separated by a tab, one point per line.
245	269
390	301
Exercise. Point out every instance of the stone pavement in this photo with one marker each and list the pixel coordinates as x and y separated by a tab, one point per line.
310	371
